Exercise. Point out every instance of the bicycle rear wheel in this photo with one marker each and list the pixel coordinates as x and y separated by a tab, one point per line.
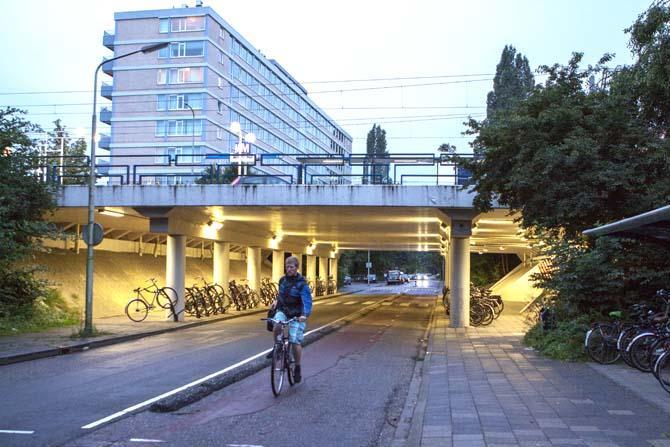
662	371
137	310
600	344
277	370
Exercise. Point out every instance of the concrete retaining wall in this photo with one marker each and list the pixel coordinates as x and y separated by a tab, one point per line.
117	274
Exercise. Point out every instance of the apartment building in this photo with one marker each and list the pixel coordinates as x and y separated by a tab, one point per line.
172	109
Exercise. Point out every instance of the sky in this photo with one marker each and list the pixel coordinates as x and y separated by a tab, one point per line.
418	69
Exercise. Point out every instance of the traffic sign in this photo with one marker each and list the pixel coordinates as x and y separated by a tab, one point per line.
98	234
368	265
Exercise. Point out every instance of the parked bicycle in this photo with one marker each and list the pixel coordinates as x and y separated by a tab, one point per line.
282	358
138	308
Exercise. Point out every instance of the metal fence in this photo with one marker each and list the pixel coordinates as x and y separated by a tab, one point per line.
298	168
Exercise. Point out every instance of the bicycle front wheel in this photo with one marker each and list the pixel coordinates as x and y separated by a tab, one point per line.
277	370
290	365
137	310
662	371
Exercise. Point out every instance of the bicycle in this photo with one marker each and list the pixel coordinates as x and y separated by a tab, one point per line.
282	358
138	308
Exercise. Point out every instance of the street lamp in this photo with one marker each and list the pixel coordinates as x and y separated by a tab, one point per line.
244	143
88	322
186	104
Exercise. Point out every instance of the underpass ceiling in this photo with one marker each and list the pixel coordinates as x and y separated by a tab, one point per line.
328	227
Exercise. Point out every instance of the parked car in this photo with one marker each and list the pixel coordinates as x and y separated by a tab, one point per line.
347	280
372	277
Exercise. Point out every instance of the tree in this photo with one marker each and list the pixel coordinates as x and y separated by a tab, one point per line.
376	147
227	176
513	82
569	158
24	200
76	166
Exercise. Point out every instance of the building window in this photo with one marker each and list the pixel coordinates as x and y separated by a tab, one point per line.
183	24
219	106
186	75
222	33
183	49
179	155
219	133
164	25
221	82
179	101
178	128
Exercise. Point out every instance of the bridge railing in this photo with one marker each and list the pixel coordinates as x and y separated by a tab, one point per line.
292	168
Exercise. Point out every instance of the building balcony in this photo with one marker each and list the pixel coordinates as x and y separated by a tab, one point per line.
105	141
108	40
106	90
108	67
106	115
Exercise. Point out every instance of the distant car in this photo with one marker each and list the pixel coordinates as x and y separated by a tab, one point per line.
405	277
372	277
347	280
393	277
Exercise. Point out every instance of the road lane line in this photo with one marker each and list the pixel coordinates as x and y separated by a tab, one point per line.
368	302
350	302
145	440
130	409
332	303
404	304
18	432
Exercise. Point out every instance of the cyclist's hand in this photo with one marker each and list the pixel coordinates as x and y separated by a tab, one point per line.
302	318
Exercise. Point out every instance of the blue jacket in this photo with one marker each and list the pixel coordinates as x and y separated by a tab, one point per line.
295	298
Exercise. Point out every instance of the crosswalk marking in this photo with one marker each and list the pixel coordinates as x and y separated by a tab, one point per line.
404	304
350	302
368	302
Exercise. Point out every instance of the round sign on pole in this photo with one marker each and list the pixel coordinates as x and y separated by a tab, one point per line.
98	234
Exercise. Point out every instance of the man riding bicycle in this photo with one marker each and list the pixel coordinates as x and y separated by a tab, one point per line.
294	300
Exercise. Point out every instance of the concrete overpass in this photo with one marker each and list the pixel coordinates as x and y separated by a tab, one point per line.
319	221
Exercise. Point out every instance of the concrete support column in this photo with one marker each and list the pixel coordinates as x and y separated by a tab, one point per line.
299	256
254	268
311	267
323	268
459	261
175	268
222	264
333	270
277	265
447	270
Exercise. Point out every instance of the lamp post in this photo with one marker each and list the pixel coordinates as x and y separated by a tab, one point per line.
244	143
186	104
88	322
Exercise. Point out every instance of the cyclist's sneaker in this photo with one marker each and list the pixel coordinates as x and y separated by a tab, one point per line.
297	376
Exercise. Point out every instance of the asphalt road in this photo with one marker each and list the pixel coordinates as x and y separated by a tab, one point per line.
354	378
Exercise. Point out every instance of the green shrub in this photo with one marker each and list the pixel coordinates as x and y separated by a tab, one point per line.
564	342
49	310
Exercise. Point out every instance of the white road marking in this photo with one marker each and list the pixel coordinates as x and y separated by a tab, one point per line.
130	409
368	302
18	432
243	445
350	302
331	303
404	304
145	440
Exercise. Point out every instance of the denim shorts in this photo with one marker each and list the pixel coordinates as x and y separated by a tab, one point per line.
296	329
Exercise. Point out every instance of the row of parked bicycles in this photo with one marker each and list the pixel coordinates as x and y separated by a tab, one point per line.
641	338
484	307
204	299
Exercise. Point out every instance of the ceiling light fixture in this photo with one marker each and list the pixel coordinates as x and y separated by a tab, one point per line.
214	224
109	212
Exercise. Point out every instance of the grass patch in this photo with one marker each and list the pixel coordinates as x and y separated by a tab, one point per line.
565	342
48	311
95	332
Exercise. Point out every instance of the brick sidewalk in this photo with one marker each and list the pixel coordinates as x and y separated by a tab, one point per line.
483	387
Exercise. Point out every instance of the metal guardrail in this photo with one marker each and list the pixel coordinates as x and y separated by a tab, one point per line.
142	169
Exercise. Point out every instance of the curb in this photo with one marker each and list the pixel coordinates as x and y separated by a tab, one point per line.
410	425
84	346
